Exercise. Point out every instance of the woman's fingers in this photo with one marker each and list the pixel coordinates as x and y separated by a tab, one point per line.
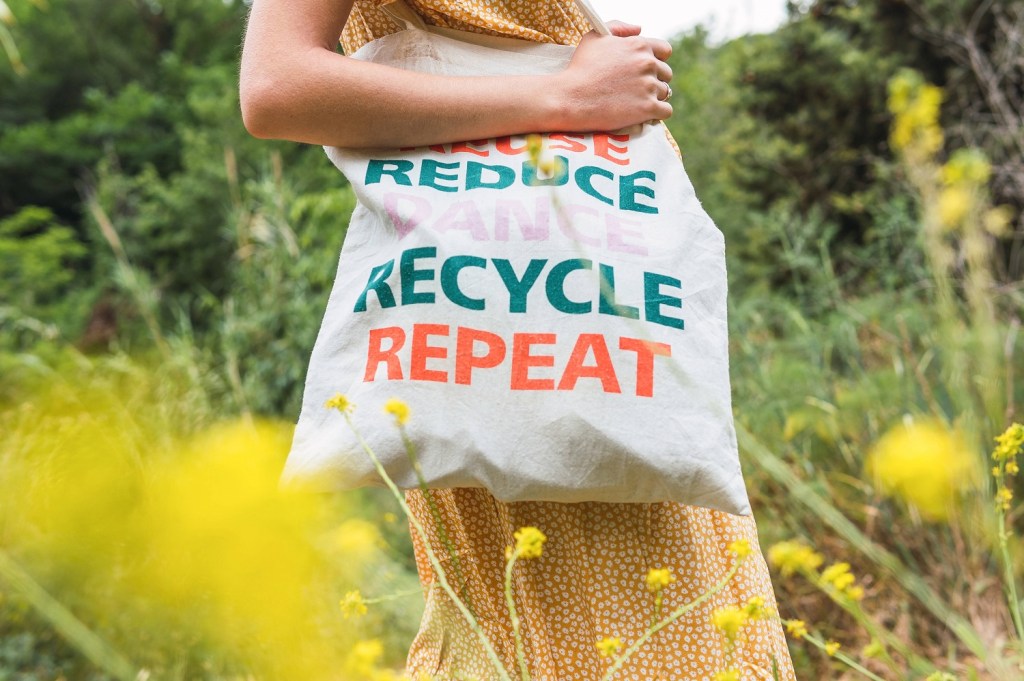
623	30
664	72
662	49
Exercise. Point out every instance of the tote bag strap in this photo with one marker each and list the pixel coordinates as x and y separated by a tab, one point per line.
399	11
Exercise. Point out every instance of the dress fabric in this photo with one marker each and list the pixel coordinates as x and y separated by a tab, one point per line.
590	582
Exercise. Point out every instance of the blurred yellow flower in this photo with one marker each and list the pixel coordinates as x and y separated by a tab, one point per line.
398	409
1003	498
364	657
729	620
755	608
997	220
529	542
955	204
610	646
353	605
793	556
832	647
838	575
916	107
339	402
874	650
1008	444
659	578
740	548
967	167
926	464
796	628
727	675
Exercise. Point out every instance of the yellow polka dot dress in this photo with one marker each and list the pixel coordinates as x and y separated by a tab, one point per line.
590	582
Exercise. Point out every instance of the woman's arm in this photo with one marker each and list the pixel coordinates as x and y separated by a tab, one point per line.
295	86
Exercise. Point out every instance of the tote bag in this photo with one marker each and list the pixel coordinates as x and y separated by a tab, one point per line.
557	329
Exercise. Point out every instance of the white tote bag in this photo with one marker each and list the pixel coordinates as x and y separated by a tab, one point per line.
558	336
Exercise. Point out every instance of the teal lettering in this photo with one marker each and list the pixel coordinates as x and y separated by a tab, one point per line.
397	170
518	288
559	178
608	304
556	287
584	178
430	173
475	176
450	280
654	299
410	275
628	190
378	284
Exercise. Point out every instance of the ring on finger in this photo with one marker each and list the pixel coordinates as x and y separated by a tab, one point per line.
668	93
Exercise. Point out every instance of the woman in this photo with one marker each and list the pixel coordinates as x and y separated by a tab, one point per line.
590	582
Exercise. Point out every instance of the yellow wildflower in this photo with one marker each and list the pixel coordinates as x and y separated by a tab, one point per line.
926	464
529	542
996	472
1012	468
967	166
796	628
729	620
874	650
940	676
755	608
363	658
997	220
855	593
793	556
955	204
398	409
353	605
740	548
1003	498
608	647
1009	443
832	647
339	402
534	148
916	107
838	575
727	675
658	579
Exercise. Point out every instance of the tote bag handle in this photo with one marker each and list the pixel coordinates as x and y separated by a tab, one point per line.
403	14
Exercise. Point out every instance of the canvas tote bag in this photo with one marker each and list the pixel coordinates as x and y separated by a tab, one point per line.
557	330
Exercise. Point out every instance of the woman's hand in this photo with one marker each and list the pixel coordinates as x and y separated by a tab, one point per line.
295	86
617	81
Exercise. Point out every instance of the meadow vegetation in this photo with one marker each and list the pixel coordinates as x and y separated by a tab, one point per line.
163	276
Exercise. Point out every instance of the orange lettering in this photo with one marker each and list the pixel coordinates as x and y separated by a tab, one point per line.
523	361
645	353
465	148
504	145
568	143
422	351
466	361
603	147
603	369
376	355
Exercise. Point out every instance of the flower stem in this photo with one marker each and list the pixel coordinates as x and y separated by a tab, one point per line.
86	641
682	610
442	528
844	658
1009	577
431	556
514	616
